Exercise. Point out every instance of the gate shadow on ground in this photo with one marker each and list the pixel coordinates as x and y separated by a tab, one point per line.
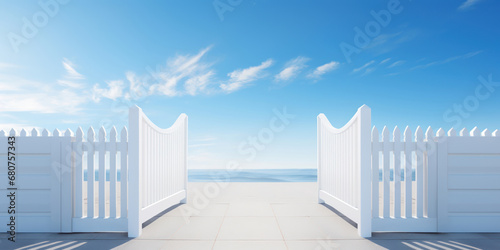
398	240
73	240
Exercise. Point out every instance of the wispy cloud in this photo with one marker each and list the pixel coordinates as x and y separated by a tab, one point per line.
241	77
468	4
292	69
180	69
198	83
113	91
323	69
4	65
364	66
369	70
468	55
397	63
72	78
24	95
385	60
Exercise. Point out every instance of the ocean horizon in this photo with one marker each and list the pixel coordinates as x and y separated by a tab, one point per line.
251	175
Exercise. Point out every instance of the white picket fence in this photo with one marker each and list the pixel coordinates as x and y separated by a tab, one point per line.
429	183
140	173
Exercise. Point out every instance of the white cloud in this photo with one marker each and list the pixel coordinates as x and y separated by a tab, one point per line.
240	77
364	66
323	69
114	91
33	96
396	64
467	4
178	69
292	69
198	84
450	59
369	70
385	60
72	78
7	66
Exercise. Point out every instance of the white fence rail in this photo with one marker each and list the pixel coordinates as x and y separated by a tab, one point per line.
418	183
96	182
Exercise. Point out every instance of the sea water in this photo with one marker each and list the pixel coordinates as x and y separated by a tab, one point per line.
252	175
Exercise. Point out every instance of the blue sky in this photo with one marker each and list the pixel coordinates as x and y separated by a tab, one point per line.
229	64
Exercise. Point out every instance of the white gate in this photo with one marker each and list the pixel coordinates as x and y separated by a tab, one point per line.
435	183
344	167
92	182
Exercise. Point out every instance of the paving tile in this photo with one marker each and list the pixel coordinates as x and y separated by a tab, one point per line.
199	228
249	245
188	244
162	228
249	208
249	228
301	209
324	244
313	228
212	209
131	245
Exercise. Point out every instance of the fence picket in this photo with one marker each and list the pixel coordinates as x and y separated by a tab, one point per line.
90	172
112	172
102	172
486	133
387	170
430	186
78	173
475	132
398	147
464	132
408	173
419	171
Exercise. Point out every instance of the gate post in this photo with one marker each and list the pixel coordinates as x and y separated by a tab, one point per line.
365	173
134	172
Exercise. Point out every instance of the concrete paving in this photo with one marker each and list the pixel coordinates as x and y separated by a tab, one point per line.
252	216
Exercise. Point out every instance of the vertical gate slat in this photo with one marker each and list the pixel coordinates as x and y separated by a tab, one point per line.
123	172
387	179
419	172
